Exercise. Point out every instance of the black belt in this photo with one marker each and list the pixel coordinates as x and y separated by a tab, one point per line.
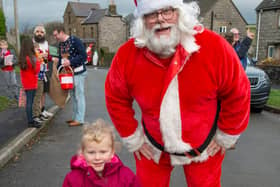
194	152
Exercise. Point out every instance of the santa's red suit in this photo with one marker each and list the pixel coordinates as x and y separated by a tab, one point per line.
178	100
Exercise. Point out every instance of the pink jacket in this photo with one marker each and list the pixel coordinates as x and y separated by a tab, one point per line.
115	174
179	102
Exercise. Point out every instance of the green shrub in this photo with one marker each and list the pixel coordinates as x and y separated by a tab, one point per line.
2	25
108	57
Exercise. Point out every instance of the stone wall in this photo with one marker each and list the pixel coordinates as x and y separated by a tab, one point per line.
272	71
112	33
269	32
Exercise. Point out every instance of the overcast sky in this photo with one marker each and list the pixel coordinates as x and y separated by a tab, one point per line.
32	12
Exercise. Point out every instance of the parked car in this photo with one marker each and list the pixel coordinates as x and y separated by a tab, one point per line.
260	86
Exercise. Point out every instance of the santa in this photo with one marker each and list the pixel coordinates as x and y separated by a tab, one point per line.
193	94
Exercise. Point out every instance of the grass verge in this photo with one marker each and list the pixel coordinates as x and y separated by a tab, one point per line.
4	103
274	98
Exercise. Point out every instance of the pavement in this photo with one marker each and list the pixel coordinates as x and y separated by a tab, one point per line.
14	134
46	162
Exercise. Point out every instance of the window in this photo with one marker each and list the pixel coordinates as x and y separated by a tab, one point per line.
223	29
271	51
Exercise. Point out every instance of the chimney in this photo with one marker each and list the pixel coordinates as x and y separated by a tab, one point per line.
112	8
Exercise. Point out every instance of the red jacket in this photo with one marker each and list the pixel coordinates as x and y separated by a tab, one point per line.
7	68
115	174
179	101
29	77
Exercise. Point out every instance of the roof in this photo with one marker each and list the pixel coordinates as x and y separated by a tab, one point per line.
204	5
82	9
95	16
268	5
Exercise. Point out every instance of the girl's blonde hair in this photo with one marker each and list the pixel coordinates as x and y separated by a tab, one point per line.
96	132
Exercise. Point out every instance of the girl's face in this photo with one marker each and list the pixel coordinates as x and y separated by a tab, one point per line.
97	154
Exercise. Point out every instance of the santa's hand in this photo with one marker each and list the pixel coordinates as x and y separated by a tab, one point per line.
146	151
214	148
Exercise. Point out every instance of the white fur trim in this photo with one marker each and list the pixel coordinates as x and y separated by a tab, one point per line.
188	42
170	120
182	160
177	160
134	141
225	140
147	6
44	46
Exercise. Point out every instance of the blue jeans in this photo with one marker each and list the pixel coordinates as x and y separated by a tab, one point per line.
78	98
11	82
30	94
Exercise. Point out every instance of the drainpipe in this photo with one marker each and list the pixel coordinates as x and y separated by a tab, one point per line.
212	21
258	37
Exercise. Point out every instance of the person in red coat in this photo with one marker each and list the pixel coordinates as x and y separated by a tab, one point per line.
7	66
192	91
29	69
96	164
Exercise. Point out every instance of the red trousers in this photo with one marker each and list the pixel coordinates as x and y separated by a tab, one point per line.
202	174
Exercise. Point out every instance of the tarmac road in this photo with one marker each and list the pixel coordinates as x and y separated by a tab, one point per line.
255	162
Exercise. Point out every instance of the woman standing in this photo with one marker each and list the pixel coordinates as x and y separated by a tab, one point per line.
29	69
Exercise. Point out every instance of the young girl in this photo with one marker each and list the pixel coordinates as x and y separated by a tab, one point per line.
29	69
97	164
8	71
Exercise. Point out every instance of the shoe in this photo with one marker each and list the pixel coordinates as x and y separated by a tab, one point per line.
34	124
43	118
74	124
46	113
37	119
69	121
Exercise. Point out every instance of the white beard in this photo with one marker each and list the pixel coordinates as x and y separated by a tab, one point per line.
164	45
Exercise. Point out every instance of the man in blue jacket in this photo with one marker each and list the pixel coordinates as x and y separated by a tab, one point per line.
72	53
242	47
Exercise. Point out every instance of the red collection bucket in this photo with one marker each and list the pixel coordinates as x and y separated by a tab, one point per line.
66	78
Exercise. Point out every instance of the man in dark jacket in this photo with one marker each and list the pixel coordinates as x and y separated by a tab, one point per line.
72	54
242	47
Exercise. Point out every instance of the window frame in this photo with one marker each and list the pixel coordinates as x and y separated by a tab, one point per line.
223	29
271	50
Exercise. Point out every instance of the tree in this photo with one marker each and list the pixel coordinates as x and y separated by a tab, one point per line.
2	25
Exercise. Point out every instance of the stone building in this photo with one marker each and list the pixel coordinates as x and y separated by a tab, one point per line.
268	26
92	24
221	15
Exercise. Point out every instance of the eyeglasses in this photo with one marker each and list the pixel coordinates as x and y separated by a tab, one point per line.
166	14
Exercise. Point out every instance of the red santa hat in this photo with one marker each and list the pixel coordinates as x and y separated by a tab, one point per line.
147	6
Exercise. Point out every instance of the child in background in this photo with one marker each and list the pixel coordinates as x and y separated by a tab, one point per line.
29	69
97	164
8	71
